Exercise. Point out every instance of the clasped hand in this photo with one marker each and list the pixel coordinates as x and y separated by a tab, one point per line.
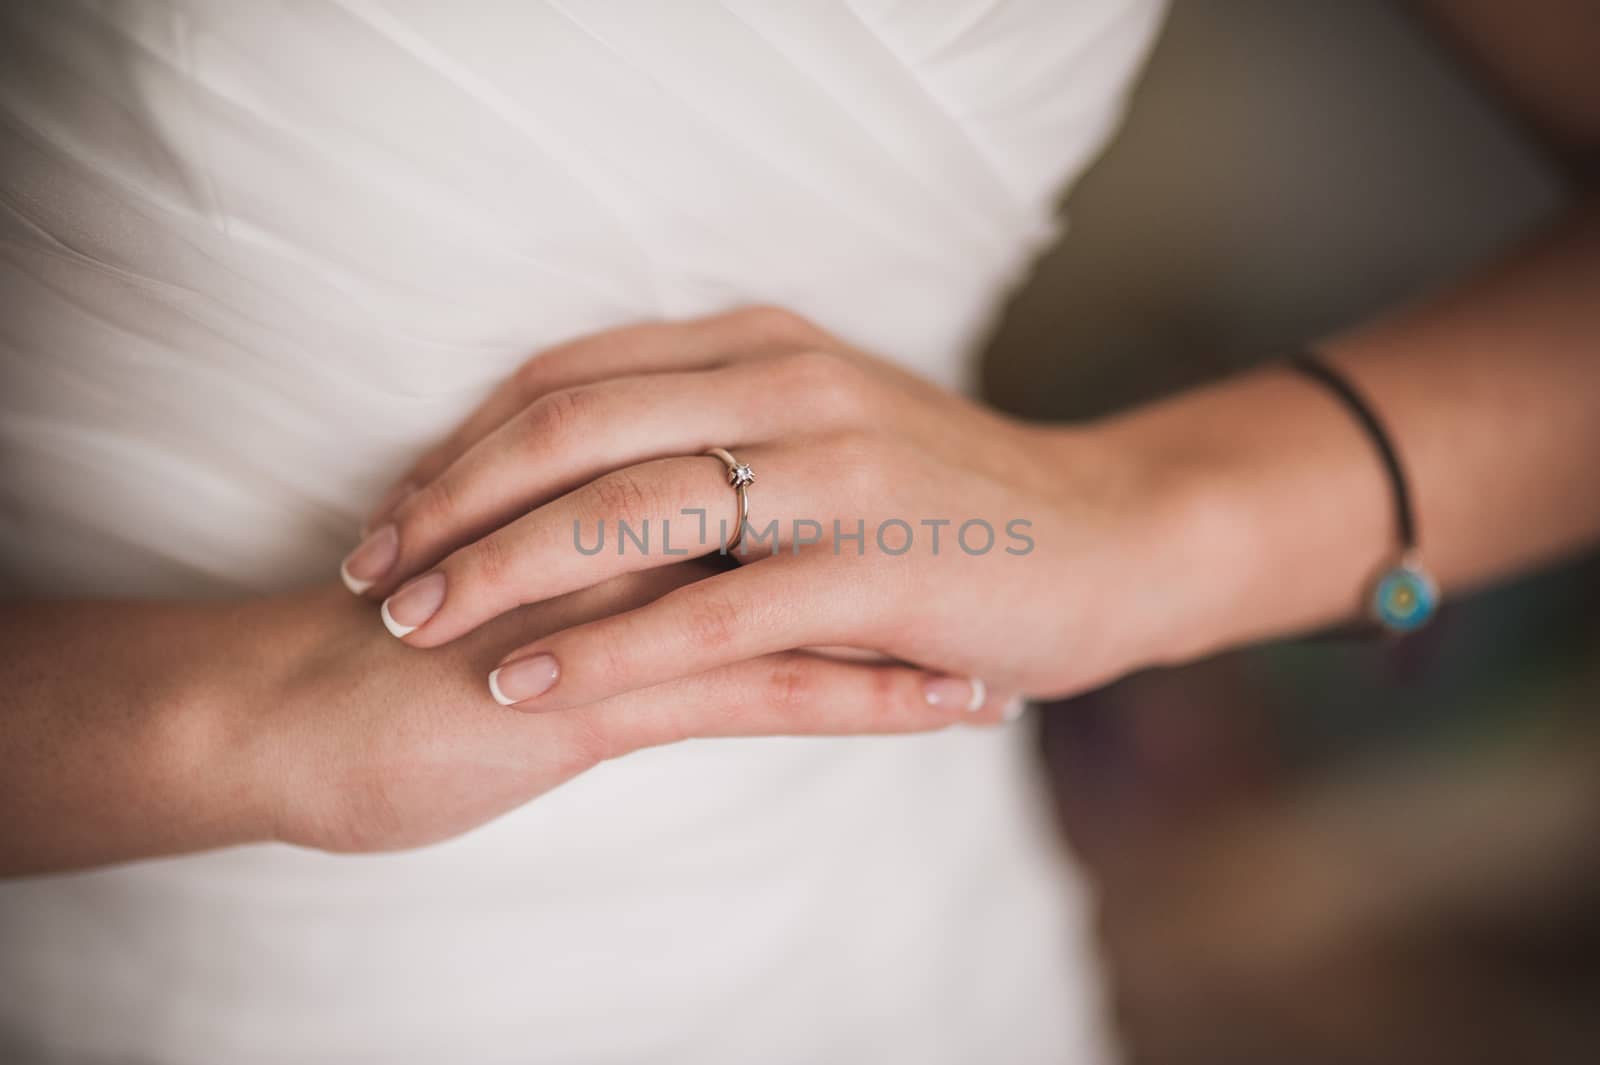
913	560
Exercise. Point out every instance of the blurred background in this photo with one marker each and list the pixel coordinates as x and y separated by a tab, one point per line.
1319	851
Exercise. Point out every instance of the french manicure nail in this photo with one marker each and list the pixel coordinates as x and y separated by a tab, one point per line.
1014	708
954	691
409	609
372	558
980	692
523	679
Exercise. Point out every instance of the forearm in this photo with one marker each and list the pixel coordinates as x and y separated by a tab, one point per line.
114	746
1279	508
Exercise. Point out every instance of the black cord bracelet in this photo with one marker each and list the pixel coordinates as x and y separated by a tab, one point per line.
1404	597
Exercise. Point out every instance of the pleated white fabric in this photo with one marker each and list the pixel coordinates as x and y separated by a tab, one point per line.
253	256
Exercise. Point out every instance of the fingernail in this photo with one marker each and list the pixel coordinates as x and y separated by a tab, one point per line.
1014	708
517	681
391	499
409	609
954	691
363	567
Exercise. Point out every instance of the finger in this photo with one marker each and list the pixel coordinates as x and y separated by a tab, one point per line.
656	347
789	694
570	438
646	516
775	605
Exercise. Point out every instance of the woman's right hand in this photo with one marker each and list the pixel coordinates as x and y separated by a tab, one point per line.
365	744
138	729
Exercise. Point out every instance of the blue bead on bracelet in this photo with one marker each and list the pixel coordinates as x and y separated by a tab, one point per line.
1404	597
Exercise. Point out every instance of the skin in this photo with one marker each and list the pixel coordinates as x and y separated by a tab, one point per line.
298	718
832	433
1251	508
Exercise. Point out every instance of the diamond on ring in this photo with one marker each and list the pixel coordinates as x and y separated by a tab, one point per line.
741	475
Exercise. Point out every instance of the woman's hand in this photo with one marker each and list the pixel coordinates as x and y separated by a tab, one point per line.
369	745
899	519
141	729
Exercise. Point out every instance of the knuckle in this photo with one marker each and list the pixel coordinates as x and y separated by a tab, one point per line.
708	620
559	417
532	379
434	463
489	563
828	382
622	495
813	368
792	688
432	506
777	325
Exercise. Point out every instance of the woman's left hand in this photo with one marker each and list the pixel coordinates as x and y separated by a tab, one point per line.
904	520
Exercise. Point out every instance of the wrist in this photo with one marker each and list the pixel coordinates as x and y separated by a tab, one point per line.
227	733
1256	509
1137	531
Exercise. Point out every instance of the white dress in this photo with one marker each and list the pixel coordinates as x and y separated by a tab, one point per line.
254	256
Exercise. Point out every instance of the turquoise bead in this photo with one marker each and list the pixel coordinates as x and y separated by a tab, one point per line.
1405	598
